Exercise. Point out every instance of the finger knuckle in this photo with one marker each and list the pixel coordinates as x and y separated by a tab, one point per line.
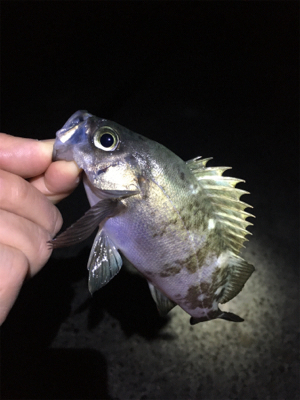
19	191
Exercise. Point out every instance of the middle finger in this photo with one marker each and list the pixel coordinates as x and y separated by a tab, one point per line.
19	197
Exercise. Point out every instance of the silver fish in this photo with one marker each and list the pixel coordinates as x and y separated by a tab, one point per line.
180	224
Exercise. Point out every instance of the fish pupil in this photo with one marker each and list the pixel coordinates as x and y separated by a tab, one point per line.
106	140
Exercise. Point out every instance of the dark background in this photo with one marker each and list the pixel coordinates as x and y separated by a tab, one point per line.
216	79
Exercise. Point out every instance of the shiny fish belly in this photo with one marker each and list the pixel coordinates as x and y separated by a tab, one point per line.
181	225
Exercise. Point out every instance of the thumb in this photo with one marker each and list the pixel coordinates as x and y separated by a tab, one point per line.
58	181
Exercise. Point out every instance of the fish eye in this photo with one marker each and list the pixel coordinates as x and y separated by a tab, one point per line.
106	139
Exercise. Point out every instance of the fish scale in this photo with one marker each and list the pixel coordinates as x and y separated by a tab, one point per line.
179	224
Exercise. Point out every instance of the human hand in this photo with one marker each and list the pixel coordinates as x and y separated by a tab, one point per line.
30	183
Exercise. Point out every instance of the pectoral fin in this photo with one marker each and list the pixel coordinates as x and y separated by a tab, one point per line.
86	225
164	305
107	207
104	262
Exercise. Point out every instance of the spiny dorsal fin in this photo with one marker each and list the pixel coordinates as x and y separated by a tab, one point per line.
198	163
225	198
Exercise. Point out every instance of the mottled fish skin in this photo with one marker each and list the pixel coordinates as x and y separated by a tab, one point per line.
176	229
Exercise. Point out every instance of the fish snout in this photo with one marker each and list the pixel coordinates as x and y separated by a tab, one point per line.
75	119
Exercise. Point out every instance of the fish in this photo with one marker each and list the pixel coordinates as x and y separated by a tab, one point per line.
181	225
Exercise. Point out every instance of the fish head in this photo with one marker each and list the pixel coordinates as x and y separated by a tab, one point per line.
111	156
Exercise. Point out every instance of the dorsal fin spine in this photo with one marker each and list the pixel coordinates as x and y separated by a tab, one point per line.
228	208
239	219
237	204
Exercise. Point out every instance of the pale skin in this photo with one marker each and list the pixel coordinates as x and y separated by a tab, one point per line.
30	185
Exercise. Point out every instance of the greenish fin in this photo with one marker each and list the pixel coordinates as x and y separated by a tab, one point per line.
228	210
164	305
237	272
104	262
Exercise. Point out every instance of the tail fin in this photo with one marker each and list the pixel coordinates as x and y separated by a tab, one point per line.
229	316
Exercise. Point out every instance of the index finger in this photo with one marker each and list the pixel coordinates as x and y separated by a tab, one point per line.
25	157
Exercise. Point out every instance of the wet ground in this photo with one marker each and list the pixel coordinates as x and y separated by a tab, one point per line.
202	80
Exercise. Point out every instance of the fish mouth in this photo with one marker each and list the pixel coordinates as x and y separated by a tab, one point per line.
74	130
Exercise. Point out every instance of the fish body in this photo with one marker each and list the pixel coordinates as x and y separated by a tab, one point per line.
180	224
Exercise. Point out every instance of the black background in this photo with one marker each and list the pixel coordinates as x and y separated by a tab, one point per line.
216	79
210	79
